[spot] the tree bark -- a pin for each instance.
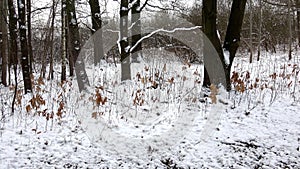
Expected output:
(30, 53)
(63, 40)
(124, 49)
(251, 31)
(73, 35)
(3, 42)
(136, 30)
(290, 29)
(232, 38)
(96, 27)
(13, 54)
(74, 48)
(298, 20)
(259, 30)
(212, 74)
(52, 40)
(24, 47)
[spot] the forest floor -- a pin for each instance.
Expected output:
(259, 127)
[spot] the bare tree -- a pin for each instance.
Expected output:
(74, 47)
(13, 53)
(298, 20)
(48, 43)
(24, 47)
(72, 35)
(63, 40)
(232, 38)
(124, 48)
(30, 53)
(259, 30)
(54, 5)
(136, 30)
(290, 29)
(96, 26)
(3, 41)
(209, 22)
(251, 30)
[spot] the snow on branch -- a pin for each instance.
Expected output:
(165, 31)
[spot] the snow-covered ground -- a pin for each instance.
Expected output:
(258, 127)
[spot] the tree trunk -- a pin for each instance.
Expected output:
(74, 48)
(213, 54)
(251, 31)
(259, 30)
(63, 40)
(232, 38)
(290, 29)
(13, 54)
(125, 59)
(298, 20)
(96, 27)
(3, 42)
(136, 31)
(73, 35)
(52, 39)
(30, 53)
(24, 47)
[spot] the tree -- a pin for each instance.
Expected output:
(232, 38)
(74, 47)
(136, 30)
(3, 41)
(259, 30)
(124, 48)
(13, 53)
(96, 26)
(63, 40)
(48, 36)
(290, 29)
(24, 47)
(209, 18)
(298, 20)
(13, 46)
(30, 53)
(73, 35)
(54, 4)
(251, 30)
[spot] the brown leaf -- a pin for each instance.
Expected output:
(171, 80)
(94, 115)
(40, 81)
(104, 101)
(28, 108)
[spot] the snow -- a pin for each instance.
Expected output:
(259, 128)
(22, 27)
(97, 15)
(127, 48)
(218, 34)
(21, 5)
(164, 31)
(124, 8)
(73, 21)
(226, 57)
